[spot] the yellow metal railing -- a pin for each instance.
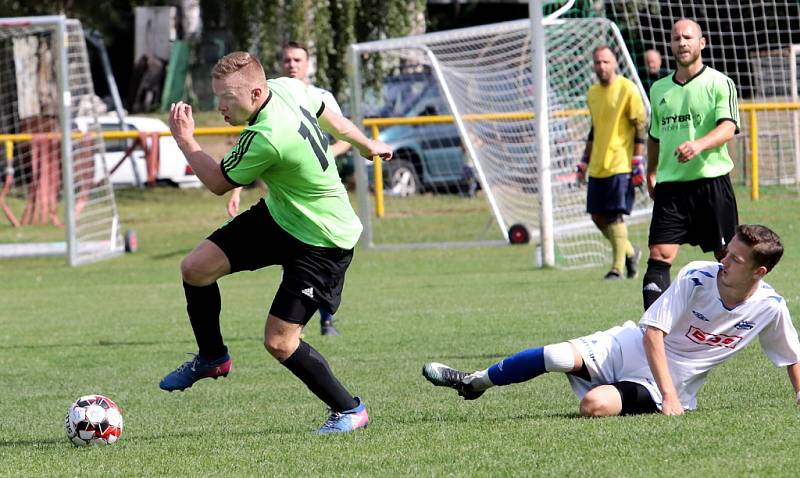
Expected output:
(23, 137)
(753, 109)
(376, 123)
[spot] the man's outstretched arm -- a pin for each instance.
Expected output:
(794, 376)
(657, 358)
(344, 129)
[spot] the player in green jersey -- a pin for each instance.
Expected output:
(296, 65)
(694, 114)
(305, 224)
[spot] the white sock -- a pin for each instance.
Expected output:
(479, 380)
(559, 357)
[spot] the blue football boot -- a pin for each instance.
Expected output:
(198, 368)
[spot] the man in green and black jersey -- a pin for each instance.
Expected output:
(305, 224)
(694, 114)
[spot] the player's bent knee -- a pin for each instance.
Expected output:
(187, 268)
(280, 347)
(193, 272)
(204, 265)
(277, 348)
(281, 338)
(596, 408)
(603, 401)
(663, 252)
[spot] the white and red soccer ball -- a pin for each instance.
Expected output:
(93, 420)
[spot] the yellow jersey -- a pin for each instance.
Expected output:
(617, 112)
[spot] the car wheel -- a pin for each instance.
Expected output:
(400, 178)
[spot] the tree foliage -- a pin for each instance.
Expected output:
(105, 17)
(327, 27)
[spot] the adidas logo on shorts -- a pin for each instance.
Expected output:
(309, 292)
(653, 287)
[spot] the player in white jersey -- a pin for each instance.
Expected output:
(708, 314)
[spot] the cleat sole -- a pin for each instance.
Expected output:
(431, 374)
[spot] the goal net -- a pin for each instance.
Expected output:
(54, 193)
(483, 77)
(754, 43)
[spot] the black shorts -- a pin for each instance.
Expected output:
(635, 398)
(611, 195)
(701, 212)
(313, 276)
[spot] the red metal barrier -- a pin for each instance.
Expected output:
(150, 155)
(41, 205)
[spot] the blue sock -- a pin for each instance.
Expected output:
(325, 315)
(519, 367)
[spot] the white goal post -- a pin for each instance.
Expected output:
(524, 157)
(794, 55)
(55, 195)
(488, 82)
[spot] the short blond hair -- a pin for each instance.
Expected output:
(240, 62)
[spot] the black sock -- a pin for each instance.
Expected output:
(656, 281)
(203, 305)
(310, 367)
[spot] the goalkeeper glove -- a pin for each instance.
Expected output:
(638, 171)
(580, 170)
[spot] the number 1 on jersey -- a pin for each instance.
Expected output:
(318, 147)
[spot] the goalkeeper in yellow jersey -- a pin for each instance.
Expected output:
(613, 158)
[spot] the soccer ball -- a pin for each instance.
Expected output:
(93, 420)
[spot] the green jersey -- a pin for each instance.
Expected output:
(688, 112)
(284, 146)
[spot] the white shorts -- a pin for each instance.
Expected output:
(614, 355)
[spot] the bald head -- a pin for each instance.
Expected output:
(652, 58)
(687, 42)
(687, 25)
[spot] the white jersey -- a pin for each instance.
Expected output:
(327, 98)
(701, 332)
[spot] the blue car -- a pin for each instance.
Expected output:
(426, 157)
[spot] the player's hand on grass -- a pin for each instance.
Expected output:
(376, 148)
(687, 151)
(671, 405)
(181, 121)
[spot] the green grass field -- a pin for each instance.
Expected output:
(118, 326)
